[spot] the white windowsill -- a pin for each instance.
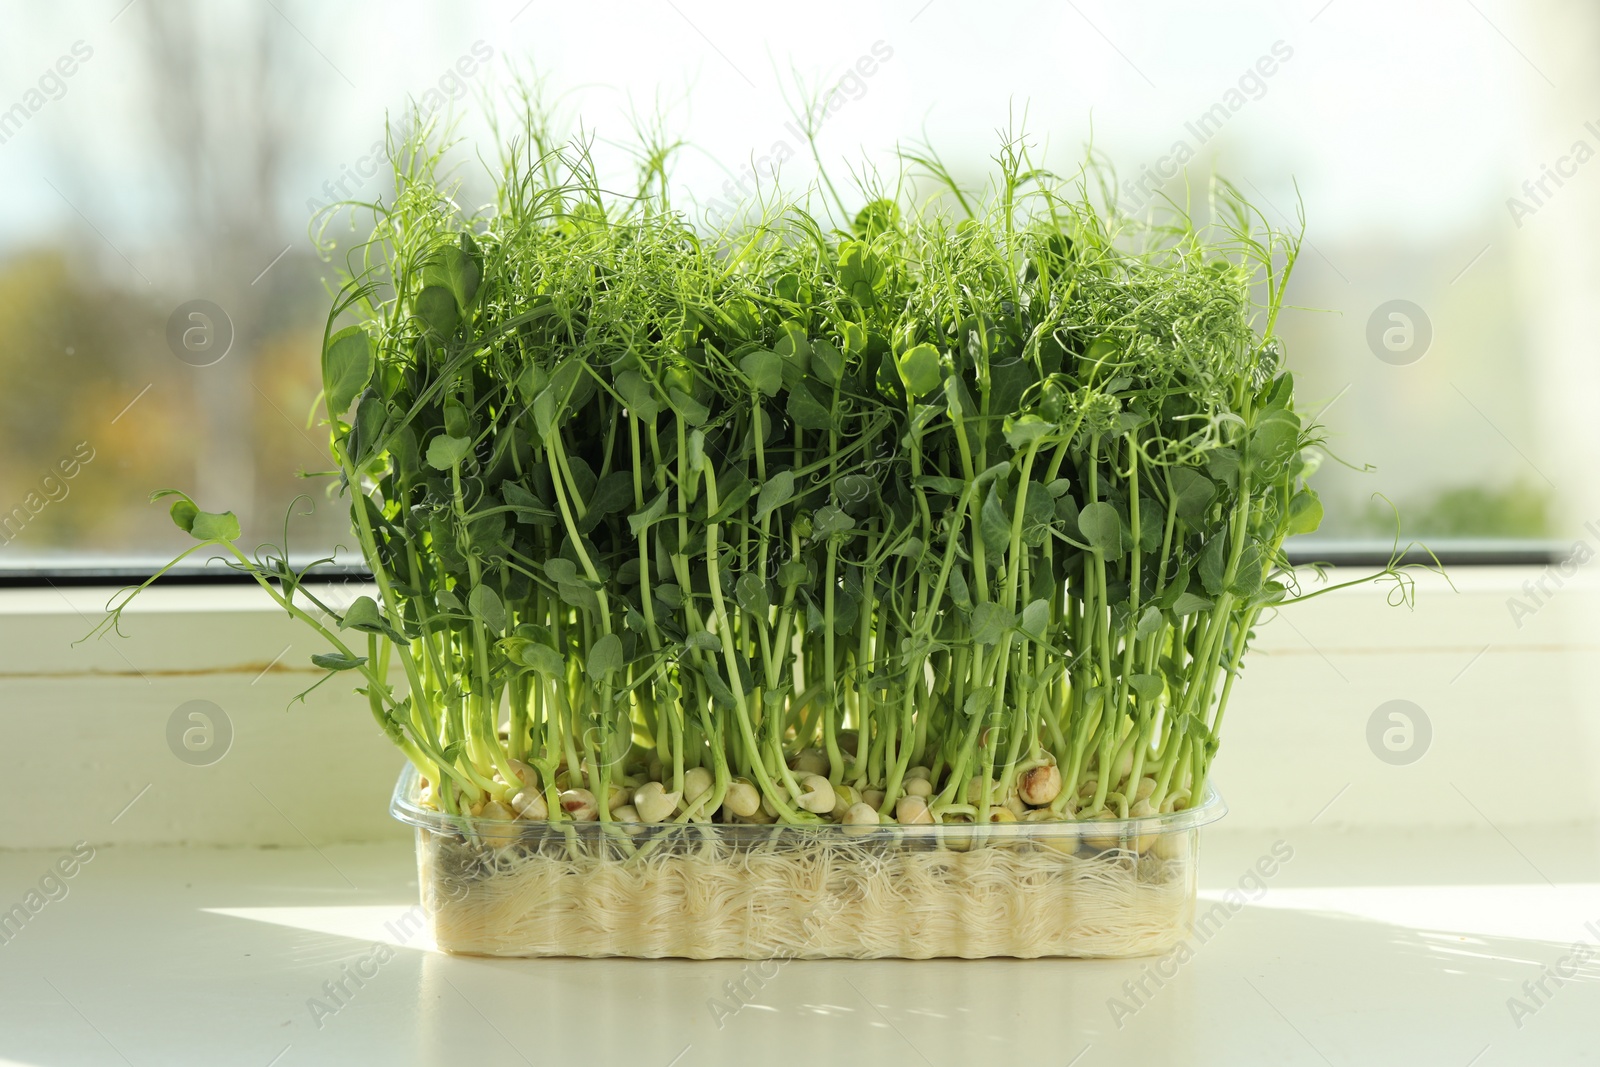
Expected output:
(1374, 949)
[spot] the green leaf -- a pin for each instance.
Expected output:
(1067, 512)
(1305, 512)
(1247, 578)
(910, 548)
(485, 604)
(720, 693)
(445, 452)
(544, 659)
(215, 526)
(1274, 440)
(1223, 466)
(183, 514)
(1101, 527)
(455, 270)
(877, 217)
(778, 491)
(938, 484)
(793, 573)
(860, 272)
(995, 524)
(978, 701)
(990, 621)
(346, 368)
(806, 412)
(1148, 686)
(457, 419)
(363, 615)
(1037, 513)
(919, 369)
(688, 408)
(765, 371)
(640, 521)
(436, 307)
(751, 592)
(528, 508)
(1036, 617)
(854, 338)
(854, 492)
(704, 641)
(1152, 522)
(560, 569)
(694, 456)
(731, 496)
(545, 407)
(830, 520)
(605, 656)
(637, 395)
(1270, 593)
(1149, 622)
(792, 344)
(1022, 432)
(614, 493)
(1214, 564)
(336, 661)
(370, 417)
(202, 525)
(667, 593)
(827, 362)
(960, 593)
(1193, 492)
(1189, 603)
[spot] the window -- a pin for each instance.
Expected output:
(162, 303)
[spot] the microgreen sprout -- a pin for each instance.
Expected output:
(965, 511)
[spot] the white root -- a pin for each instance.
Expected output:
(816, 896)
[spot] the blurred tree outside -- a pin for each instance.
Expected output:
(84, 343)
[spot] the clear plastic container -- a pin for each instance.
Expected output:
(1105, 888)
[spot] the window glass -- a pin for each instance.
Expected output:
(162, 301)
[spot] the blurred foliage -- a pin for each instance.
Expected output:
(1511, 511)
(79, 350)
